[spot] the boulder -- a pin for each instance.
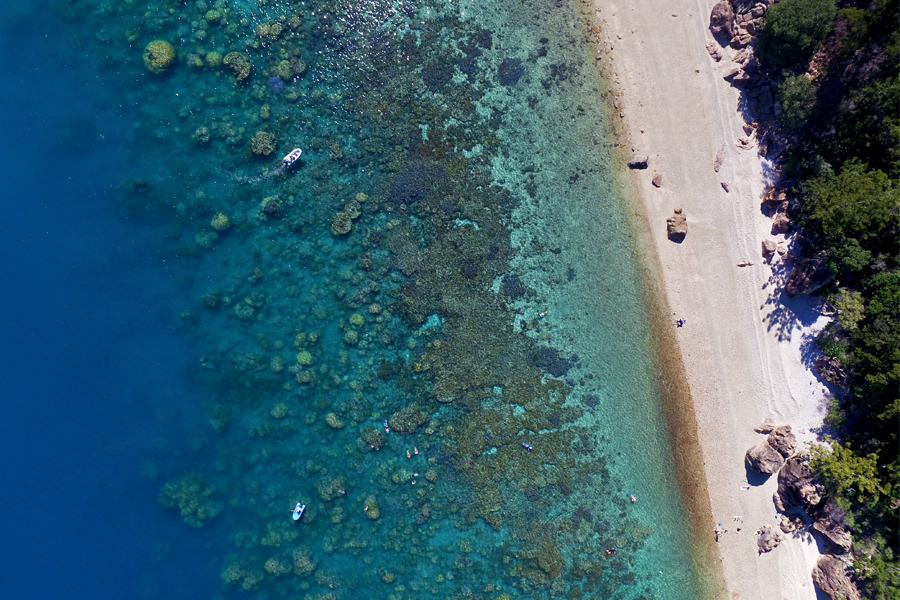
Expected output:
(830, 576)
(725, 186)
(731, 71)
(714, 52)
(781, 224)
(769, 246)
(720, 158)
(782, 440)
(830, 370)
(720, 20)
(834, 533)
(763, 458)
(768, 538)
(638, 162)
(797, 487)
(790, 523)
(657, 180)
(676, 225)
(774, 197)
(808, 276)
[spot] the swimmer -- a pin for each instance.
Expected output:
(386, 428)
(610, 550)
(633, 499)
(527, 446)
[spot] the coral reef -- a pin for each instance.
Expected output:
(239, 63)
(341, 223)
(159, 56)
(192, 498)
(263, 143)
(220, 222)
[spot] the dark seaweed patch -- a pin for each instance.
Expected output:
(513, 287)
(550, 360)
(510, 71)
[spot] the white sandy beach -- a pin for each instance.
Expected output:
(741, 346)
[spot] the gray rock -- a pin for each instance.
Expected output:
(639, 162)
(676, 225)
(769, 538)
(720, 158)
(808, 276)
(769, 246)
(781, 223)
(763, 458)
(720, 20)
(731, 71)
(782, 440)
(790, 523)
(830, 576)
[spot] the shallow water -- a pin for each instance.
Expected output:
(461, 387)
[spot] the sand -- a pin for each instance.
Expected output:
(745, 349)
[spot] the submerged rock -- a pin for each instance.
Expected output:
(638, 162)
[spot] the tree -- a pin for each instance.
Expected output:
(855, 204)
(797, 96)
(794, 29)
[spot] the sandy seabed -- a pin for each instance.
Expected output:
(746, 349)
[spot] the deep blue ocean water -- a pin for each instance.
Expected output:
(171, 387)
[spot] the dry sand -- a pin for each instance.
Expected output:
(744, 348)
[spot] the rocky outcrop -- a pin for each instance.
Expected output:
(782, 440)
(763, 458)
(790, 523)
(769, 247)
(676, 225)
(769, 538)
(639, 162)
(768, 456)
(836, 537)
(721, 21)
(781, 224)
(830, 370)
(830, 576)
(797, 488)
(808, 276)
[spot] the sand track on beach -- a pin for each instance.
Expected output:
(745, 349)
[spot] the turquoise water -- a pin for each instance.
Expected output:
(431, 329)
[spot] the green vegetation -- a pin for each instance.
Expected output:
(798, 99)
(794, 30)
(842, 115)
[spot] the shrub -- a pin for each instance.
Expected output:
(794, 29)
(798, 99)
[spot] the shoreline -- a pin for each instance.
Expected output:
(739, 360)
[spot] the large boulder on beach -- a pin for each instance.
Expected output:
(769, 538)
(781, 223)
(676, 225)
(808, 276)
(720, 21)
(832, 530)
(769, 247)
(798, 487)
(763, 458)
(830, 576)
(782, 440)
